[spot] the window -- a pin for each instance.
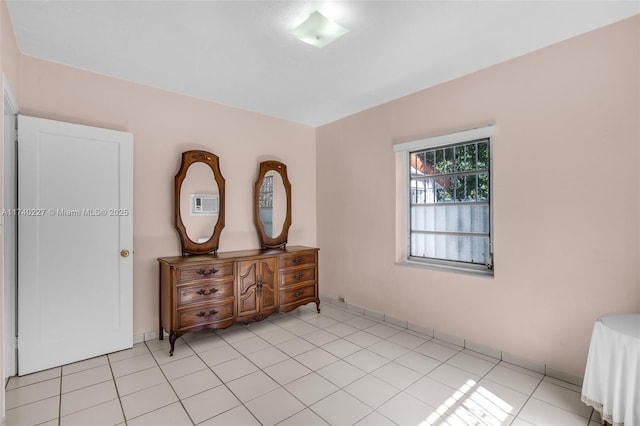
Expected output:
(448, 183)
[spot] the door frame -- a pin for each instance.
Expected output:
(9, 309)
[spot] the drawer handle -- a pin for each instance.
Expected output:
(209, 272)
(298, 260)
(204, 292)
(298, 293)
(298, 276)
(204, 314)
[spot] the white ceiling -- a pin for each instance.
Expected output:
(239, 53)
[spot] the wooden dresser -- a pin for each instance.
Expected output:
(218, 290)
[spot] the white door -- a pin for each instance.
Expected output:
(75, 199)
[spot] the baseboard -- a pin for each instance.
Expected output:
(517, 360)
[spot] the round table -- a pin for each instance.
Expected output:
(612, 376)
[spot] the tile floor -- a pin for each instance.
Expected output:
(300, 368)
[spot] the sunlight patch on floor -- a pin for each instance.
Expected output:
(472, 405)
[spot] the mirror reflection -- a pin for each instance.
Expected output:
(272, 203)
(199, 202)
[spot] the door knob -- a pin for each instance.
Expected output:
(124, 253)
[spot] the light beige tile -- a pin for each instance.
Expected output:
(238, 416)
(436, 350)
(287, 371)
(105, 414)
(453, 376)
(363, 339)
(371, 390)
(250, 345)
(84, 398)
(194, 383)
(137, 350)
(514, 379)
(366, 360)
(561, 397)
(316, 358)
(311, 388)
(471, 363)
(219, 355)
(295, 346)
(341, 408)
(504, 398)
(383, 331)
(140, 380)
(397, 375)
(432, 392)
(182, 367)
(170, 415)
(234, 369)
(147, 400)
(132, 365)
(84, 378)
(305, 417)
(375, 419)
(341, 348)
(341, 373)
(252, 386)
(418, 362)
(404, 409)
(388, 349)
(164, 345)
(163, 357)
(274, 407)
(208, 343)
(541, 413)
(267, 357)
(85, 365)
(30, 379)
(408, 340)
(200, 407)
(32, 393)
(341, 329)
(278, 336)
(34, 413)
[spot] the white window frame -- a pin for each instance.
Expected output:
(403, 210)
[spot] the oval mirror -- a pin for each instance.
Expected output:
(272, 208)
(199, 202)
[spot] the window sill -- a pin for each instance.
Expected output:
(489, 273)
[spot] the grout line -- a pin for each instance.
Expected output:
(60, 400)
(115, 385)
(172, 388)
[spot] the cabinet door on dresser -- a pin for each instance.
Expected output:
(257, 294)
(298, 279)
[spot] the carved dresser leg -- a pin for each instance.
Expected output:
(172, 340)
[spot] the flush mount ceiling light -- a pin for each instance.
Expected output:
(317, 30)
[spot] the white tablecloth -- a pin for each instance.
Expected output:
(612, 376)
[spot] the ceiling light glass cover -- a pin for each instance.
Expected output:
(318, 30)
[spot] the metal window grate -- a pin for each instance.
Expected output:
(450, 204)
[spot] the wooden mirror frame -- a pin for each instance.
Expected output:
(211, 160)
(265, 240)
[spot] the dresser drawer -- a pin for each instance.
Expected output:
(296, 294)
(212, 290)
(297, 276)
(300, 259)
(206, 314)
(205, 271)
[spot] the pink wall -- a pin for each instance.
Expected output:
(10, 67)
(164, 125)
(566, 200)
